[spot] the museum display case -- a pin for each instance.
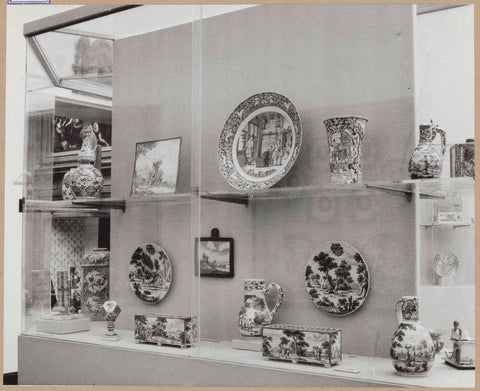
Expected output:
(195, 175)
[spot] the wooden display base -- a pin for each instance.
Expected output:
(458, 366)
(63, 326)
(253, 344)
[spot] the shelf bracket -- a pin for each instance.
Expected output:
(233, 200)
(401, 192)
(110, 204)
(21, 205)
(240, 199)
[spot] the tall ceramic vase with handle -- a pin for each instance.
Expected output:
(345, 141)
(84, 181)
(255, 312)
(412, 350)
(426, 161)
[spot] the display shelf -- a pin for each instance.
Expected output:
(72, 208)
(96, 207)
(353, 368)
(426, 188)
(433, 287)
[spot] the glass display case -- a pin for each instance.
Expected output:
(198, 205)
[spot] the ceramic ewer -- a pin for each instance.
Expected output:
(95, 283)
(255, 312)
(259, 142)
(345, 142)
(314, 345)
(150, 273)
(337, 278)
(173, 330)
(412, 349)
(426, 161)
(84, 181)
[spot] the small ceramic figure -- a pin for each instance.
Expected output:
(112, 310)
(463, 354)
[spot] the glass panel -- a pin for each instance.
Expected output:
(234, 90)
(62, 234)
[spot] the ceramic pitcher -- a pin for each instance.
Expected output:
(426, 161)
(255, 312)
(345, 141)
(412, 350)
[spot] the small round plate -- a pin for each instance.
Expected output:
(260, 141)
(446, 264)
(337, 278)
(150, 273)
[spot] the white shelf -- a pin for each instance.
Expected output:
(371, 369)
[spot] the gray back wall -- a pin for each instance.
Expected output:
(329, 60)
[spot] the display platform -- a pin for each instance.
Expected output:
(209, 364)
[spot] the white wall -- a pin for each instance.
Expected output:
(444, 82)
(444, 73)
(17, 15)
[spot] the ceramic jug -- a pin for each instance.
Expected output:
(84, 181)
(426, 161)
(345, 141)
(255, 312)
(412, 350)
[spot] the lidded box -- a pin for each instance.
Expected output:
(316, 345)
(175, 330)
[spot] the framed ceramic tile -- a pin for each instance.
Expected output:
(156, 167)
(214, 256)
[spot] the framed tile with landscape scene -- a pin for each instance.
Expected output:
(214, 256)
(156, 167)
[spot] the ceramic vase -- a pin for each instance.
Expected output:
(426, 161)
(345, 141)
(412, 350)
(255, 312)
(84, 181)
(95, 283)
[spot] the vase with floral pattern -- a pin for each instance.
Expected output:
(412, 349)
(255, 313)
(95, 283)
(426, 160)
(84, 181)
(345, 141)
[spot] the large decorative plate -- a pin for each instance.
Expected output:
(150, 273)
(260, 141)
(337, 278)
(446, 264)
